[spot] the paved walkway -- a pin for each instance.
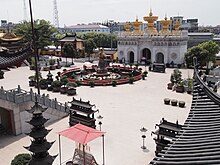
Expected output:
(125, 108)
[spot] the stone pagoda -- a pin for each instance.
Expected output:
(39, 145)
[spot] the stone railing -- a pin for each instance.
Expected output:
(19, 96)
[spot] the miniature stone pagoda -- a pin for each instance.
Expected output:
(82, 112)
(165, 133)
(39, 145)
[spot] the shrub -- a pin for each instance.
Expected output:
(131, 80)
(64, 80)
(71, 84)
(43, 81)
(56, 83)
(91, 83)
(52, 61)
(114, 83)
(21, 159)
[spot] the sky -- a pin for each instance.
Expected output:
(72, 12)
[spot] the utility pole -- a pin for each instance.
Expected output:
(55, 14)
(25, 11)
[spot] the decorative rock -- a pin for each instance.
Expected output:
(174, 102)
(167, 101)
(182, 104)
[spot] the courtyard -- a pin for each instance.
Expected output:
(125, 108)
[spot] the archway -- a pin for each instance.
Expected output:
(131, 57)
(159, 58)
(146, 55)
(6, 120)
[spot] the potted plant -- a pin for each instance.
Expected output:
(78, 82)
(43, 83)
(46, 68)
(114, 83)
(92, 84)
(58, 66)
(180, 87)
(63, 88)
(131, 80)
(56, 85)
(71, 90)
(32, 81)
(189, 85)
(52, 62)
(1, 74)
(170, 85)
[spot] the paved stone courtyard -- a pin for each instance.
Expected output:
(125, 108)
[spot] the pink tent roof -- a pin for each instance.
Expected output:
(81, 133)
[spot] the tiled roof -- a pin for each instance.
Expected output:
(86, 27)
(198, 141)
(8, 59)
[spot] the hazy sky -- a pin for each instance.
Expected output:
(71, 12)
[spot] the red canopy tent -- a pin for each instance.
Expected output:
(81, 134)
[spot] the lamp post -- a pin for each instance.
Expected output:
(103, 139)
(34, 47)
(100, 122)
(143, 130)
(111, 23)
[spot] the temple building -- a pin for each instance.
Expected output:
(137, 44)
(11, 41)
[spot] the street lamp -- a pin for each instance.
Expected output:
(143, 130)
(103, 139)
(111, 30)
(100, 122)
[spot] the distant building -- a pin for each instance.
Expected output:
(138, 44)
(78, 43)
(85, 28)
(191, 25)
(200, 37)
(6, 26)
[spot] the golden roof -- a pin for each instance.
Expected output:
(9, 37)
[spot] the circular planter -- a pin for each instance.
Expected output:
(49, 88)
(63, 90)
(32, 83)
(43, 86)
(56, 89)
(170, 86)
(167, 101)
(71, 91)
(180, 89)
(174, 102)
(182, 104)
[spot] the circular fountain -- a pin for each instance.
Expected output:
(103, 74)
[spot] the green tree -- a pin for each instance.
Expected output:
(101, 39)
(44, 32)
(21, 159)
(204, 52)
(69, 51)
(89, 46)
(198, 52)
(211, 50)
